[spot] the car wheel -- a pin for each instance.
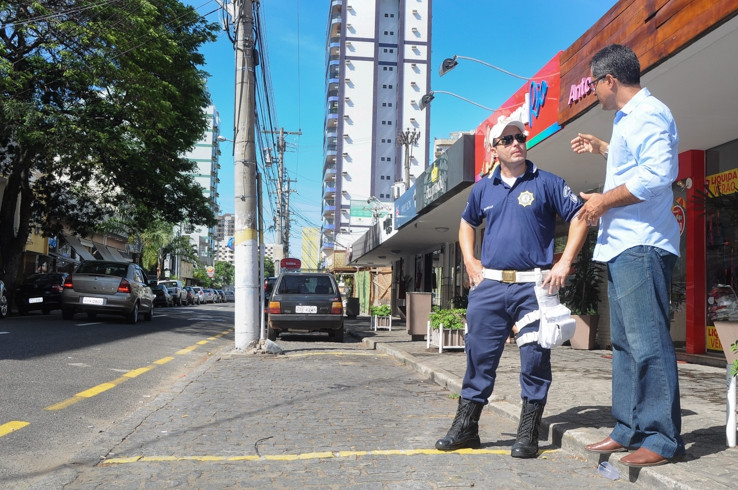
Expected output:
(150, 315)
(133, 315)
(337, 335)
(67, 313)
(3, 305)
(272, 334)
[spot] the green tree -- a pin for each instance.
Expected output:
(225, 273)
(268, 268)
(100, 100)
(160, 241)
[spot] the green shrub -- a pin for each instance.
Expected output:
(450, 318)
(380, 310)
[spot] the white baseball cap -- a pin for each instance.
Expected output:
(496, 130)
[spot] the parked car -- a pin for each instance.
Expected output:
(163, 297)
(107, 287)
(209, 295)
(230, 295)
(200, 293)
(268, 286)
(192, 296)
(177, 289)
(40, 292)
(306, 301)
(221, 295)
(3, 296)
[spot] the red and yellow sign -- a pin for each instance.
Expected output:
(723, 183)
(535, 104)
(713, 341)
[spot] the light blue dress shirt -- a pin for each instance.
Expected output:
(643, 155)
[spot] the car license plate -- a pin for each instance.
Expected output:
(35, 300)
(92, 301)
(306, 309)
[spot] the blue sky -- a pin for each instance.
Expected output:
(519, 37)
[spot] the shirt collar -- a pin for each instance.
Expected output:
(639, 97)
(530, 168)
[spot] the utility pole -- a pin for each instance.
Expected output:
(245, 239)
(281, 223)
(408, 140)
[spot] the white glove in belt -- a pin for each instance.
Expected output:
(513, 276)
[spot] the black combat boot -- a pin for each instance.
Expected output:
(526, 443)
(464, 431)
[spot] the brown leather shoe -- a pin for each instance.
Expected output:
(643, 457)
(605, 446)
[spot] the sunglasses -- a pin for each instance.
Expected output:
(507, 140)
(593, 83)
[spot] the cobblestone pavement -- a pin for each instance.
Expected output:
(366, 413)
(323, 416)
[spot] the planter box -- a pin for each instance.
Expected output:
(381, 322)
(585, 336)
(444, 338)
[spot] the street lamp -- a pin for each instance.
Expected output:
(408, 140)
(450, 63)
(427, 98)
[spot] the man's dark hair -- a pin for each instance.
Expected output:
(619, 61)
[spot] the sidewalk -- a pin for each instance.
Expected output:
(578, 408)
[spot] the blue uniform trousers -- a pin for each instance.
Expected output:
(493, 309)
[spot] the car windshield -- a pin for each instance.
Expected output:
(104, 268)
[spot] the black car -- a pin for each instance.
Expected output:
(306, 301)
(40, 292)
(163, 297)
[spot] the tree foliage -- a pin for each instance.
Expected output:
(99, 102)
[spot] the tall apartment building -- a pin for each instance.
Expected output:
(378, 54)
(226, 227)
(206, 154)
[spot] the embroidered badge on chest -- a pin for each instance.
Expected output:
(526, 198)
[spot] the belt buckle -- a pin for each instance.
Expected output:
(508, 276)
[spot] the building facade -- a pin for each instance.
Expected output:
(378, 54)
(206, 154)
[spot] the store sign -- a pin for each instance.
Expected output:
(290, 263)
(405, 207)
(580, 91)
(723, 183)
(713, 341)
(680, 216)
(535, 104)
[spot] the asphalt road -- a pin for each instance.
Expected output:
(65, 382)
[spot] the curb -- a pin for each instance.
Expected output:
(572, 441)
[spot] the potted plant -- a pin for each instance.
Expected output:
(381, 317)
(446, 328)
(582, 295)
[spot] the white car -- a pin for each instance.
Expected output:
(200, 294)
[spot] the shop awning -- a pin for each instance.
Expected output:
(74, 242)
(117, 254)
(104, 251)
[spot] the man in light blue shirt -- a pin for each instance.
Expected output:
(639, 240)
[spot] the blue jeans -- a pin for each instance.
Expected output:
(645, 382)
(493, 309)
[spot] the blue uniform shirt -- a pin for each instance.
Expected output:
(520, 221)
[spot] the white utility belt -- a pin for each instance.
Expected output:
(534, 275)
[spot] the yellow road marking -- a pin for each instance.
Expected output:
(96, 390)
(315, 455)
(186, 350)
(12, 426)
(137, 372)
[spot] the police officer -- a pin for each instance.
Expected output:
(518, 203)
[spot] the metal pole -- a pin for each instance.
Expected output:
(279, 233)
(245, 239)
